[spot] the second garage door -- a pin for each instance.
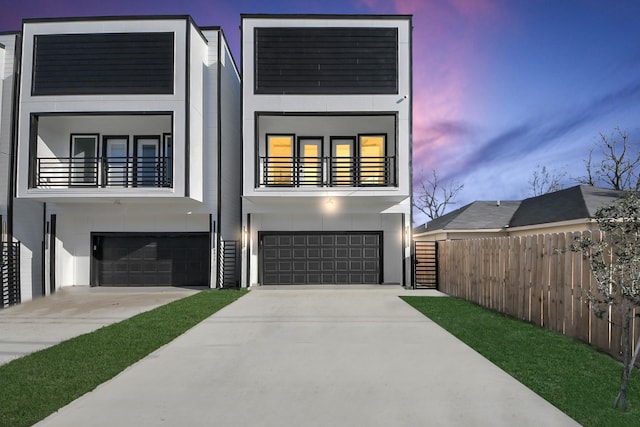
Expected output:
(163, 259)
(320, 258)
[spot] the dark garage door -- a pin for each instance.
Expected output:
(320, 258)
(131, 259)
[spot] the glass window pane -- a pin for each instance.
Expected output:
(83, 165)
(343, 162)
(372, 159)
(280, 159)
(310, 163)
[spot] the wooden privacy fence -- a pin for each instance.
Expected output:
(533, 278)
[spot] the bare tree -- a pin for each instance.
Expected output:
(545, 181)
(434, 196)
(619, 165)
(615, 263)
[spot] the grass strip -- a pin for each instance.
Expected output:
(571, 375)
(37, 385)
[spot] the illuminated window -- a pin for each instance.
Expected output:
(343, 163)
(280, 159)
(310, 151)
(372, 159)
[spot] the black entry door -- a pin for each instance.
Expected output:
(320, 258)
(131, 259)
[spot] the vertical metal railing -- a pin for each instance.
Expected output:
(327, 171)
(10, 274)
(55, 172)
(228, 264)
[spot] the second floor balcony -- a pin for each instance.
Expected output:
(327, 172)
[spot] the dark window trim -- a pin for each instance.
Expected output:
(136, 155)
(187, 110)
(293, 155)
(309, 137)
(385, 137)
(72, 137)
(314, 17)
(107, 137)
(365, 134)
(282, 134)
(353, 177)
(105, 157)
(33, 150)
(101, 113)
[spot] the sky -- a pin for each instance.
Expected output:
(501, 87)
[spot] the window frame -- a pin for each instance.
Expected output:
(96, 149)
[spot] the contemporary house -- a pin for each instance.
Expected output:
(326, 139)
(127, 150)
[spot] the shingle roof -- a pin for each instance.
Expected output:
(478, 215)
(577, 202)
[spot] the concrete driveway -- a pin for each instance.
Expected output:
(73, 311)
(313, 357)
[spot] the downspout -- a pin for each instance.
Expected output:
(412, 254)
(13, 146)
(219, 252)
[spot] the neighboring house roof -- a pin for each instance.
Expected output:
(478, 215)
(577, 202)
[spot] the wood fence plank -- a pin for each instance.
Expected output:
(581, 275)
(553, 280)
(536, 278)
(567, 284)
(510, 303)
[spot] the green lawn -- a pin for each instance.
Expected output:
(37, 385)
(574, 377)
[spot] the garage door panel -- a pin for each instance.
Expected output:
(161, 259)
(320, 257)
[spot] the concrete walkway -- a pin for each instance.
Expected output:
(72, 311)
(313, 357)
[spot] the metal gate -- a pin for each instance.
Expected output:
(10, 274)
(426, 265)
(228, 264)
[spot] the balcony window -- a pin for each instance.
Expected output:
(82, 165)
(372, 159)
(116, 160)
(342, 163)
(280, 159)
(310, 170)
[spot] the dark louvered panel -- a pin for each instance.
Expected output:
(96, 64)
(326, 61)
(426, 265)
(321, 258)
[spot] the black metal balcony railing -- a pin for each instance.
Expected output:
(328, 171)
(103, 172)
